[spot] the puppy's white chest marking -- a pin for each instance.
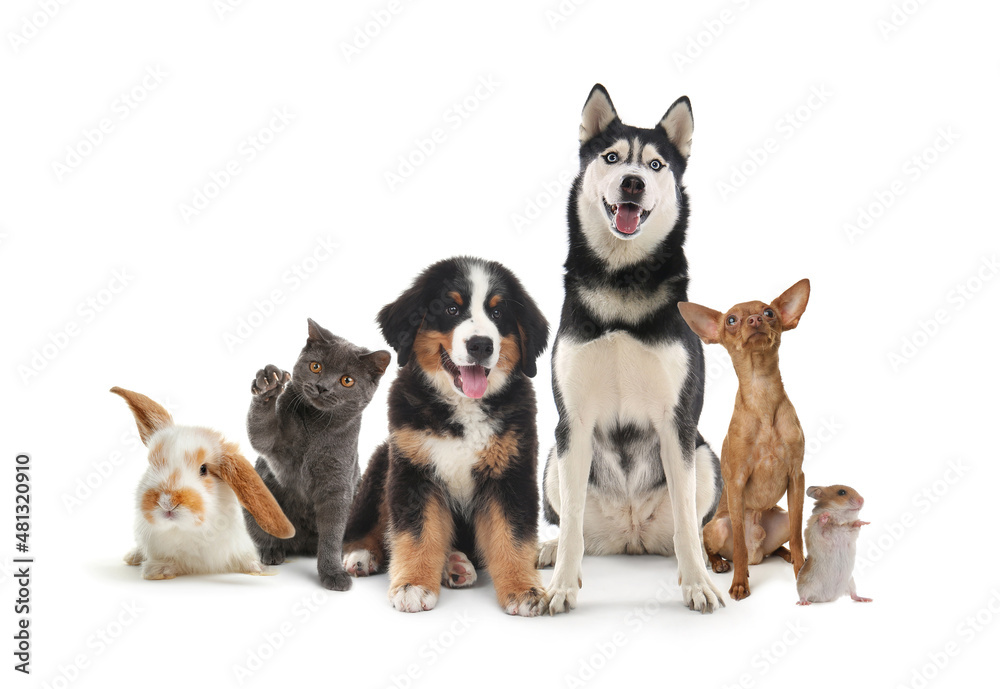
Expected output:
(454, 457)
(617, 377)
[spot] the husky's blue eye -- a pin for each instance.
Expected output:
(655, 164)
(611, 157)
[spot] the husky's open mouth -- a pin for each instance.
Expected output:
(625, 217)
(471, 380)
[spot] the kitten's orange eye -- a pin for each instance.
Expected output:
(315, 367)
(347, 381)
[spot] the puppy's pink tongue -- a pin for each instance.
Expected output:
(627, 218)
(473, 381)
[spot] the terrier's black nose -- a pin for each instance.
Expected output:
(479, 348)
(633, 185)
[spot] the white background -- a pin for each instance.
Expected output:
(495, 186)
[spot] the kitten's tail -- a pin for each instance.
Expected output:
(365, 549)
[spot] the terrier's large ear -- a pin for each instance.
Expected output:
(400, 321)
(792, 303)
(705, 322)
(149, 416)
(598, 113)
(678, 123)
(318, 333)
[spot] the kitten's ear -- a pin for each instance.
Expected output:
(149, 416)
(532, 328)
(400, 321)
(377, 362)
(705, 322)
(233, 468)
(318, 333)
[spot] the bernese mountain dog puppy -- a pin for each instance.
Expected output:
(455, 485)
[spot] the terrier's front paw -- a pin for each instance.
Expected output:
(361, 563)
(740, 589)
(269, 382)
(412, 598)
(458, 572)
(530, 603)
(337, 580)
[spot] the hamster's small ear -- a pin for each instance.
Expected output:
(377, 362)
(792, 303)
(149, 416)
(400, 321)
(598, 113)
(815, 492)
(705, 322)
(239, 474)
(318, 333)
(678, 123)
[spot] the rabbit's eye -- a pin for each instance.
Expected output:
(203, 470)
(315, 367)
(347, 381)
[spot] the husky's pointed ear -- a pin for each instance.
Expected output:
(678, 123)
(598, 113)
(149, 416)
(318, 333)
(401, 320)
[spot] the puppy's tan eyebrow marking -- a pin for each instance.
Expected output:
(495, 300)
(457, 297)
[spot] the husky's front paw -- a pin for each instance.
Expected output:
(412, 598)
(700, 595)
(361, 563)
(530, 603)
(458, 572)
(560, 595)
(547, 553)
(269, 382)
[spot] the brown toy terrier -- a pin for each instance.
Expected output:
(763, 450)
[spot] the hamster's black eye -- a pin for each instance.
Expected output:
(611, 157)
(203, 470)
(315, 367)
(452, 310)
(769, 313)
(841, 492)
(655, 164)
(731, 320)
(497, 314)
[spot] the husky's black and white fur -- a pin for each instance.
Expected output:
(630, 473)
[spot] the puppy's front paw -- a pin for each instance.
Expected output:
(699, 594)
(530, 603)
(458, 572)
(337, 580)
(547, 553)
(412, 598)
(361, 563)
(269, 382)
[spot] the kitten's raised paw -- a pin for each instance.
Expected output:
(269, 381)
(458, 571)
(361, 563)
(336, 581)
(412, 598)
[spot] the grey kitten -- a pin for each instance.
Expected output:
(307, 437)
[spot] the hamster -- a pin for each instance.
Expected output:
(831, 542)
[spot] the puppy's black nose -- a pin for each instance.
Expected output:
(633, 185)
(479, 348)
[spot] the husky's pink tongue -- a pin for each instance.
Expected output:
(473, 381)
(627, 218)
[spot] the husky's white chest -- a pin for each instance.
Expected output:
(617, 376)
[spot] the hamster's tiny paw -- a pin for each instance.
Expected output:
(269, 381)
(412, 598)
(458, 572)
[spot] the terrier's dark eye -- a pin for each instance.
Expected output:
(497, 314)
(841, 492)
(731, 320)
(452, 310)
(203, 470)
(769, 313)
(611, 157)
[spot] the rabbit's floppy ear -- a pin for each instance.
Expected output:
(235, 470)
(149, 416)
